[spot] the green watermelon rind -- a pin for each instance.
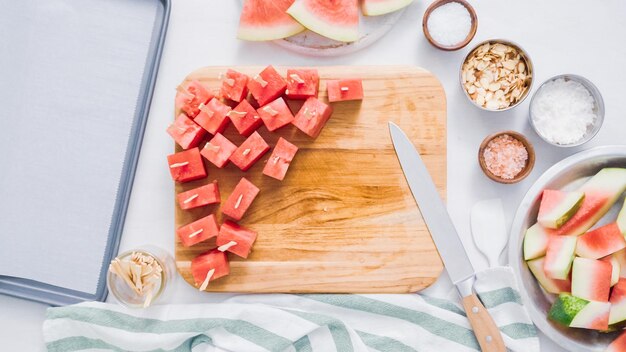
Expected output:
(259, 34)
(377, 8)
(565, 308)
(333, 31)
(564, 211)
(589, 314)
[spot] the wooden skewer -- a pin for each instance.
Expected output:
(239, 201)
(190, 199)
(173, 166)
(205, 283)
(225, 247)
(196, 233)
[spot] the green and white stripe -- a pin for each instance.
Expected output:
(296, 323)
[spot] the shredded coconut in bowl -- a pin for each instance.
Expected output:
(563, 111)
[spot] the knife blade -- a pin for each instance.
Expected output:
(446, 238)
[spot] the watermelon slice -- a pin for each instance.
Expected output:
(240, 200)
(548, 284)
(616, 268)
(245, 118)
(218, 150)
(577, 312)
(302, 84)
(557, 207)
(559, 256)
(618, 345)
(381, 7)
(213, 116)
(190, 95)
(267, 86)
(234, 85)
(186, 166)
(600, 242)
(618, 303)
(344, 90)
(198, 197)
(208, 267)
(621, 219)
(249, 152)
(275, 114)
(198, 231)
(334, 19)
(591, 279)
(186, 132)
(535, 242)
(621, 259)
(312, 117)
(281, 158)
(235, 239)
(267, 20)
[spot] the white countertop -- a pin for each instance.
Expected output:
(561, 36)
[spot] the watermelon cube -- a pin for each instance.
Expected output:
(218, 150)
(557, 207)
(281, 158)
(267, 86)
(600, 242)
(249, 152)
(234, 85)
(559, 256)
(186, 132)
(618, 345)
(213, 116)
(618, 303)
(201, 196)
(275, 114)
(235, 239)
(198, 231)
(344, 89)
(240, 200)
(302, 84)
(186, 166)
(312, 117)
(245, 118)
(209, 266)
(190, 95)
(577, 312)
(548, 284)
(591, 279)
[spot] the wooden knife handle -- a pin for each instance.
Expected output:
(486, 331)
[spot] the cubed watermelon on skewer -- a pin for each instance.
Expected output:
(578, 312)
(600, 242)
(186, 132)
(218, 150)
(249, 152)
(208, 267)
(234, 85)
(618, 303)
(198, 197)
(278, 163)
(245, 118)
(618, 345)
(198, 231)
(275, 114)
(591, 279)
(344, 90)
(240, 199)
(548, 284)
(312, 117)
(186, 166)
(190, 95)
(267, 86)
(535, 242)
(235, 239)
(213, 116)
(557, 207)
(302, 83)
(559, 256)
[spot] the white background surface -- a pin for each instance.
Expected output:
(561, 36)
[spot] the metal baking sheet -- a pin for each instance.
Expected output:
(77, 82)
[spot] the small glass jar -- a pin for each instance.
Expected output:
(126, 296)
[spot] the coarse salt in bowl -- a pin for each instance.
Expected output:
(567, 110)
(449, 24)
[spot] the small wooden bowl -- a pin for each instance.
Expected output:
(463, 43)
(530, 163)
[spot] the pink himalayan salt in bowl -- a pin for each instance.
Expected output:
(506, 157)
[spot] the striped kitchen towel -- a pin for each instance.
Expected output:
(282, 322)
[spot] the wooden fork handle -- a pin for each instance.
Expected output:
(486, 331)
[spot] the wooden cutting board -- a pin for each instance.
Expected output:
(343, 220)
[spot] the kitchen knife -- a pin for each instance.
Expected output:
(446, 239)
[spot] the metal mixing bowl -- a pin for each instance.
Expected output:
(566, 174)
